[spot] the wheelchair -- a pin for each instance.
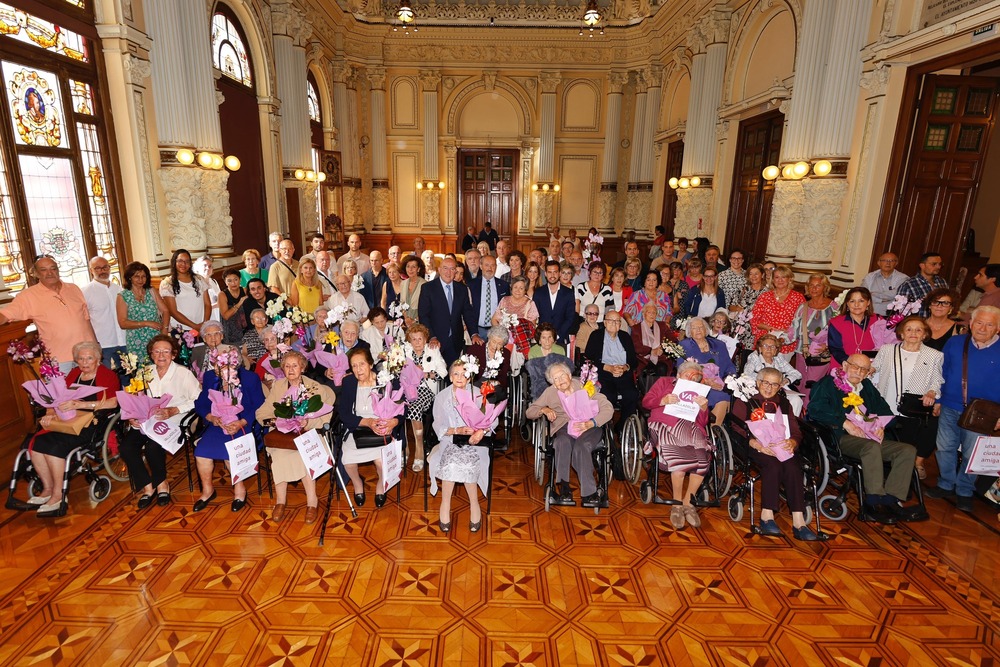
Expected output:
(89, 459)
(814, 469)
(843, 473)
(625, 451)
(545, 454)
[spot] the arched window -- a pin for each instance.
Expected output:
(229, 51)
(312, 99)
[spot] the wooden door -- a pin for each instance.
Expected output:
(946, 154)
(675, 156)
(488, 191)
(749, 221)
(240, 123)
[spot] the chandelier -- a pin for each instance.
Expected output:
(592, 18)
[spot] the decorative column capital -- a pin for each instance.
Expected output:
(549, 81)
(617, 80)
(653, 75)
(450, 150)
(376, 77)
(640, 82)
(430, 79)
(314, 53)
(136, 69)
(527, 149)
(876, 80)
(713, 28)
(490, 79)
(341, 71)
(289, 20)
(680, 59)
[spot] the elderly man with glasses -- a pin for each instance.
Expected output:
(611, 350)
(829, 404)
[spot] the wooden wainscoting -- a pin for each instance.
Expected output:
(15, 417)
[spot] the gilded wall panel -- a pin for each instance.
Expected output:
(581, 106)
(578, 180)
(403, 104)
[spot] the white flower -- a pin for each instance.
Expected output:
(471, 365)
(358, 283)
(742, 387)
(383, 378)
(508, 320)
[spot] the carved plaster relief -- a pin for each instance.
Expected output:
(824, 199)
(607, 202)
(183, 195)
(786, 216)
(693, 204)
(215, 206)
(382, 209)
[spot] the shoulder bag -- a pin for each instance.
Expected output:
(908, 405)
(981, 415)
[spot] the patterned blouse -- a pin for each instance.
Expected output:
(769, 315)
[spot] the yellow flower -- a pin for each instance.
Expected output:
(332, 338)
(853, 400)
(591, 389)
(135, 386)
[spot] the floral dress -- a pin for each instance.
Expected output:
(769, 315)
(138, 311)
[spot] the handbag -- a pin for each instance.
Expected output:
(981, 415)
(909, 404)
(365, 438)
(73, 426)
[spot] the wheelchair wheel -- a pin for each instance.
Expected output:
(818, 466)
(110, 457)
(631, 449)
(646, 492)
(35, 488)
(735, 509)
(547, 492)
(808, 514)
(538, 440)
(833, 508)
(100, 488)
(722, 461)
(615, 457)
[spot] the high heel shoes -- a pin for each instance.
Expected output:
(445, 527)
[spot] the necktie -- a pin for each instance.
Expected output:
(447, 293)
(489, 301)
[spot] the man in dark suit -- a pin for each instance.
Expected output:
(489, 235)
(444, 307)
(556, 303)
(612, 351)
(470, 240)
(374, 279)
(487, 290)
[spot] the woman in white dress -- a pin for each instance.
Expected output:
(185, 293)
(458, 464)
(355, 409)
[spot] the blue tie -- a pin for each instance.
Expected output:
(447, 293)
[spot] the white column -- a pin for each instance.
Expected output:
(638, 128)
(290, 66)
(549, 82)
(165, 26)
(809, 92)
(693, 112)
(654, 75)
(429, 82)
(342, 115)
(703, 153)
(380, 163)
(607, 198)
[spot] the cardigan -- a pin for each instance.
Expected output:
(550, 399)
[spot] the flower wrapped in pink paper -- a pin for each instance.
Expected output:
(388, 403)
(53, 394)
(272, 367)
(224, 406)
(296, 408)
(579, 407)
(140, 407)
(475, 418)
(771, 434)
(335, 362)
(883, 334)
(819, 342)
(410, 378)
(873, 426)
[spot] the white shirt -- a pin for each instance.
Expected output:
(189, 304)
(502, 268)
(102, 305)
(883, 289)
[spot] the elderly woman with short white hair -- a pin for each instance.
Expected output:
(355, 304)
(571, 450)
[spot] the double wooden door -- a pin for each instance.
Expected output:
(943, 168)
(675, 156)
(487, 185)
(749, 221)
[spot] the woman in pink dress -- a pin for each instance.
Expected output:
(775, 310)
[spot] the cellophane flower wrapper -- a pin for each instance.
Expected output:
(869, 424)
(223, 407)
(140, 406)
(771, 434)
(473, 416)
(271, 369)
(579, 407)
(410, 378)
(882, 334)
(819, 342)
(388, 405)
(335, 362)
(710, 373)
(53, 394)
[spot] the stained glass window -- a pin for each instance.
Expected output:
(312, 98)
(97, 196)
(229, 53)
(36, 108)
(50, 192)
(83, 97)
(11, 263)
(30, 29)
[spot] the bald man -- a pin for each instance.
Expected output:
(354, 254)
(102, 303)
(884, 283)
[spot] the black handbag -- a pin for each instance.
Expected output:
(365, 438)
(980, 415)
(820, 360)
(912, 405)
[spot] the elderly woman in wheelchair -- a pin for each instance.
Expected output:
(774, 471)
(51, 447)
(573, 442)
(457, 459)
(682, 447)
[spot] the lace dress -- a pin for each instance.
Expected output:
(457, 464)
(139, 311)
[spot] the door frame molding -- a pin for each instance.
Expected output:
(515, 220)
(901, 143)
(766, 116)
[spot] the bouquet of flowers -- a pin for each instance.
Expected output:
(901, 307)
(592, 248)
(334, 361)
(140, 407)
(882, 332)
(225, 404)
(743, 388)
(276, 309)
(48, 366)
(473, 416)
(358, 283)
(297, 407)
(410, 378)
(471, 365)
(139, 384)
(680, 323)
(397, 312)
(588, 376)
(508, 320)
(839, 299)
(283, 328)
(709, 372)
(579, 406)
(337, 315)
(771, 434)
(186, 339)
(819, 343)
(226, 362)
(672, 349)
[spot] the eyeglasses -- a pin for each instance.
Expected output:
(591, 314)
(735, 257)
(765, 383)
(708, 275)
(940, 303)
(863, 369)
(769, 346)
(616, 322)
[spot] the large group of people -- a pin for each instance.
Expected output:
(899, 347)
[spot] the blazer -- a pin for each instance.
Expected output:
(447, 327)
(595, 348)
(693, 301)
(563, 316)
(345, 406)
(500, 290)
(926, 376)
(371, 289)
(717, 354)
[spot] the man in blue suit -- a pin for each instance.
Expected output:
(374, 279)
(444, 307)
(487, 290)
(556, 303)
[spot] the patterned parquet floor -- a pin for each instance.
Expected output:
(108, 585)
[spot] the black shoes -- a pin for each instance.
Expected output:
(359, 499)
(938, 492)
(145, 501)
(805, 534)
(201, 504)
(911, 513)
(445, 527)
(474, 527)
(964, 503)
(770, 528)
(563, 497)
(239, 503)
(379, 499)
(883, 514)
(593, 500)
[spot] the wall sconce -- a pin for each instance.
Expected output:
(822, 168)
(232, 163)
(300, 174)
(205, 160)
(684, 183)
(672, 182)
(771, 172)
(321, 176)
(546, 187)
(800, 169)
(430, 185)
(695, 181)
(185, 156)
(787, 173)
